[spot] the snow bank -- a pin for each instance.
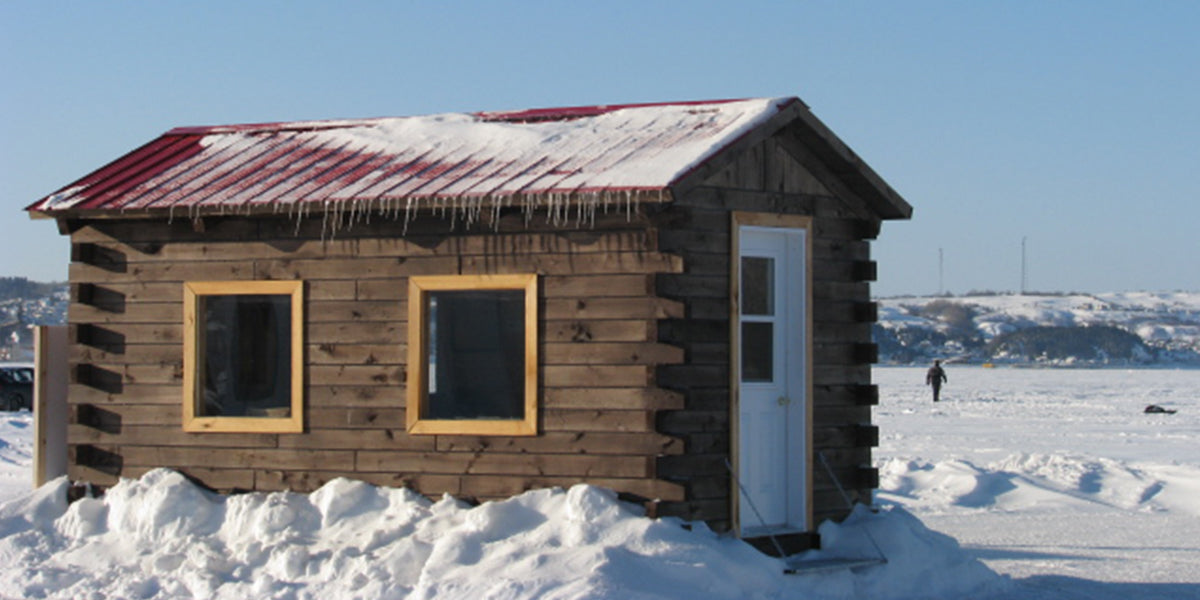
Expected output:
(1041, 481)
(16, 453)
(162, 537)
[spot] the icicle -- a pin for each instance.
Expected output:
(407, 215)
(324, 218)
(497, 207)
(294, 212)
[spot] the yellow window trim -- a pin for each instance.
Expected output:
(192, 291)
(418, 365)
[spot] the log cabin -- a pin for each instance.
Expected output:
(668, 300)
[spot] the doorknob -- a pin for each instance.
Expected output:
(784, 401)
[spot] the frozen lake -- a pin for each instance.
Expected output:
(1055, 477)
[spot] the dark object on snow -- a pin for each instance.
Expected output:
(1156, 409)
(16, 388)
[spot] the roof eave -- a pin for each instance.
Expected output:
(861, 178)
(610, 196)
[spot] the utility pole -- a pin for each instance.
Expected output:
(941, 287)
(1024, 277)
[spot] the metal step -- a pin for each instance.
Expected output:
(829, 565)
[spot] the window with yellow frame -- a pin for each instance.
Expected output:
(472, 354)
(243, 356)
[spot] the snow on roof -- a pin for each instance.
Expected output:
(497, 155)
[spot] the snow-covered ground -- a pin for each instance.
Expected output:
(1054, 482)
(1054, 477)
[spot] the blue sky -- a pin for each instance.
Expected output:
(1074, 125)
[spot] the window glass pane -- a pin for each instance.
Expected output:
(245, 346)
(758, 285)
(758, 351)
(476, 354)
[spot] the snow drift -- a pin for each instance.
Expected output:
(162, 537)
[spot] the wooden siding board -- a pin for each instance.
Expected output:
(230, 458)
(631, 398)
(583, 442)
(469, 463)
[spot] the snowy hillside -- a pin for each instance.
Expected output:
(1139, 328)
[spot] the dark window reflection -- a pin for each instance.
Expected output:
(476, 354)
(758, 352)
(245, 349)
(758, 286)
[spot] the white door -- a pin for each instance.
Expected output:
(772, 409)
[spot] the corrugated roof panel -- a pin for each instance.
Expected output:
(304, 161)
(544, 151)
(190, 182)
(112, 182)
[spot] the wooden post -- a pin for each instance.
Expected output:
(49, 403)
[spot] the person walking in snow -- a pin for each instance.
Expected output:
(935, 376)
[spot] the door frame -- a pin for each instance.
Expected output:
(739, 219)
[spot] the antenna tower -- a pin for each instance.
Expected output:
(1024, 276)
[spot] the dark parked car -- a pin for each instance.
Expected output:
(16, 388)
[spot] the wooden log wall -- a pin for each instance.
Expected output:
(599, 347)
(771, 178)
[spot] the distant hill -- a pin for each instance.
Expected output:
(23, 304)
(1113, 329)
(12, 288)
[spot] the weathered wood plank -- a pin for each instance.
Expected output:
(141, 394)
(601, 353)
(145, 313)
(349, 396)
(632, 398)
(593, 286)
(582, 331)
(635, 421)
(595, 376)
(357, 333)
(470, 463)
(115, 417)
(162, 435)
(583, 442)
(356, 354)
(645, 307)
(166, 272)
(356, 418)
(354, 311)
(356, 375)
(285, 458)
(355, 268)
(376, 438)
(694, 421)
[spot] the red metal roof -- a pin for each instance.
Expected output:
(498, 155)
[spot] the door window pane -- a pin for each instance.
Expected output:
(758, 285)
(758, 352)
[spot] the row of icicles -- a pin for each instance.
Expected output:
(562, 209)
